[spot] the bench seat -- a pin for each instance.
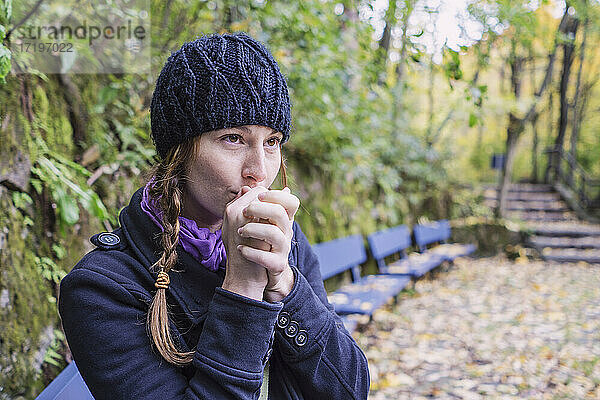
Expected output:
(451, 251)
(416, 264)
(367, 294)
(439, 232)
(68, 385)
(397, 240)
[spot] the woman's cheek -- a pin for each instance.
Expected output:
(275, 165)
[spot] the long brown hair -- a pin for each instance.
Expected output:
(170, 176)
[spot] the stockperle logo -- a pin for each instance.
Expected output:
(83, 37)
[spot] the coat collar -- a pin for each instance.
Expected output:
(192, 285)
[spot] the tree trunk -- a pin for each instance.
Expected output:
(534, 154)
(166, 14)
(513, 131)
(515, 126)
(349, 35)
(550, 130)
(576, 101)
(512, 136)
(77, 113)
(568, 50)
(398, 89)
(534, 150)
(384, 43)
(430, 102)
(501, 80)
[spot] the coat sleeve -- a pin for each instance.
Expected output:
(105, 325)
(312, 338)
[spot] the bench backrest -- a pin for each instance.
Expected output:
(339, 255)
(437, 231)
(387, 242)
(68, 385)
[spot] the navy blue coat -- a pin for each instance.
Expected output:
(104, 301)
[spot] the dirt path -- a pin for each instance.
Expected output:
(490, 328)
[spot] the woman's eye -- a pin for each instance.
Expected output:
(274, 141)
(232, 138)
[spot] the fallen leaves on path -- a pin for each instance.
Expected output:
(490, 328)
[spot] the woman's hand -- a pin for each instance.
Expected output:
(271, 217)
(242, 276)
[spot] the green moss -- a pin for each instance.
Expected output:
(26, 313)
(52, 117)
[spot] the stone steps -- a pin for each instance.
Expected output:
(534, 205)
(492, 194)
(591, 256)
(530, 187)
(561, 242)
(524, 187)
(566, 229)
(546, 216)
(557, 233)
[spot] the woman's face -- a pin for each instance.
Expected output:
(228, 159)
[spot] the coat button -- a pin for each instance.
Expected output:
(301, 338)
(284, 320)
(292, 329)
(109, 239)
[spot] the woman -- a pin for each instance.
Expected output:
(209, 289)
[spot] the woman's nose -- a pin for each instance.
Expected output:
(255, 169)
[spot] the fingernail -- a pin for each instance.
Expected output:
(239, 247)
(287, 188)
(239, 231)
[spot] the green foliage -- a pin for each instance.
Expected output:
(5, 55)
(4, 58)
(5, 12)
(52, 356)
(49, 270)
(452, 65)
(65, 181)
(120, 106)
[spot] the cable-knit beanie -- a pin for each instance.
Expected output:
(215, 82)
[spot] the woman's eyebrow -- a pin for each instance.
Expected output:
(243, 129)
(275, 131)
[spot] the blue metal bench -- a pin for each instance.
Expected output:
(365, 294)
(395, 241)
(68, 385)
(439, 231)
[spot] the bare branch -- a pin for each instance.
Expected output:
(24, 19)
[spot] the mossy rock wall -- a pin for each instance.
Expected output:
(29, 321)
(27, 315)
(490, 236)
(35, 109)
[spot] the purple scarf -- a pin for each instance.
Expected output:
(201, 243)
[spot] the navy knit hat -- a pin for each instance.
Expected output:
(215, 82)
